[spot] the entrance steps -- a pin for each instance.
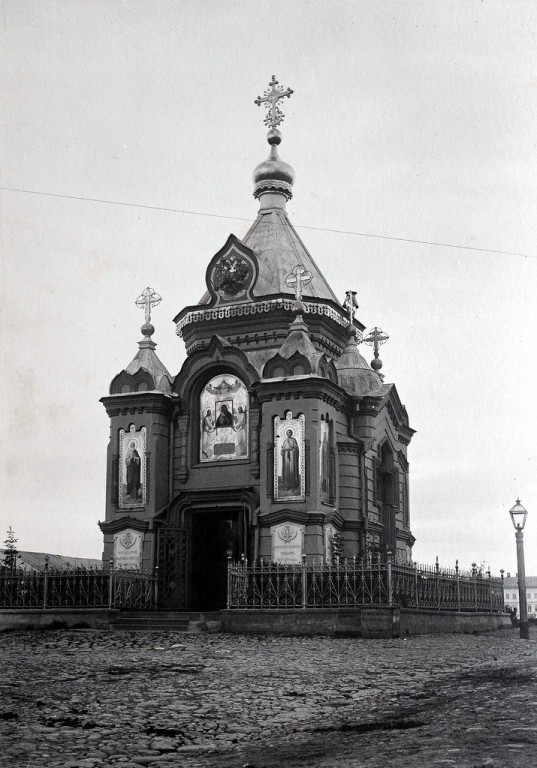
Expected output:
(166, 621)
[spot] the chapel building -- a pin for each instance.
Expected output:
(276, 440)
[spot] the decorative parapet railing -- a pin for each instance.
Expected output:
(78, 588)
(350, 584)
(269, 305)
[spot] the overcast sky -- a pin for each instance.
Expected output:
(411, 120)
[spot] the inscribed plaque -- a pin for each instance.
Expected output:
(128, 549)
(287, 543)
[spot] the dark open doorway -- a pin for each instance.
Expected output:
(216, 534)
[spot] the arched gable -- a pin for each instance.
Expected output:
(218, 356)
(124, 382)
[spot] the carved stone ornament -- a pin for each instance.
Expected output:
(232, 273)
(260, 307)
(287, 533)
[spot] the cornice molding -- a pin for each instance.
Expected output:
(138, 402)
(306, 387)
(115, 526)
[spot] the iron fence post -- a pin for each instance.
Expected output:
(155, 588)
(490, 589)
(416, 583)
(437, 568)
(389, 584)
(474, 574)
(304, 584)
(111, 585)
(228, 603)
(45, 583)
(458, 585)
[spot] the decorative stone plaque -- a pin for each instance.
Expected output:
(287, 543)
(128, 549)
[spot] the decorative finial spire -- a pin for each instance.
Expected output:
(270, 98)
(147, 299)
(273, 178)
(351, 305)
(375, 339)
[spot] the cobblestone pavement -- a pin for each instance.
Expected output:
(91, 699)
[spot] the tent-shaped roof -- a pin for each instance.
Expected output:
(279, 249)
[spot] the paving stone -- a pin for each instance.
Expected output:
(224, 701)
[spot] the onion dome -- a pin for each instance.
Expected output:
(354, 374)
(273, 175)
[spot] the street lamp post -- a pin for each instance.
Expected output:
(518, 516)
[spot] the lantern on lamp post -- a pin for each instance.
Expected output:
(518, 516)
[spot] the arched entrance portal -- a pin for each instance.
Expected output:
(194, 544)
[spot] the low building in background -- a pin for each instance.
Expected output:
(35, 561)
(511, 596)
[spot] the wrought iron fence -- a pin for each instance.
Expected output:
(349, 584)
(77, 588)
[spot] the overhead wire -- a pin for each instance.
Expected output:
(240, 218)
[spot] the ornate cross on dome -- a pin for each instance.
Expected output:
(298, 277)
(147, 299)
(375, 338)
(271, 98)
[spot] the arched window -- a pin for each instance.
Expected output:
(385, 484)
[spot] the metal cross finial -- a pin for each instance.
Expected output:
(375, 338)
(147, 299)
(298, 277)
(350, 304)
(271, 98)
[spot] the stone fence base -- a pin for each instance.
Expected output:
(352, 622)
(66, 618)
(360, 622)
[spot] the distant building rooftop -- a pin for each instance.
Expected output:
(511, 582)
(35, 561)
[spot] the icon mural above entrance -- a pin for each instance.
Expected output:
(224, 419)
